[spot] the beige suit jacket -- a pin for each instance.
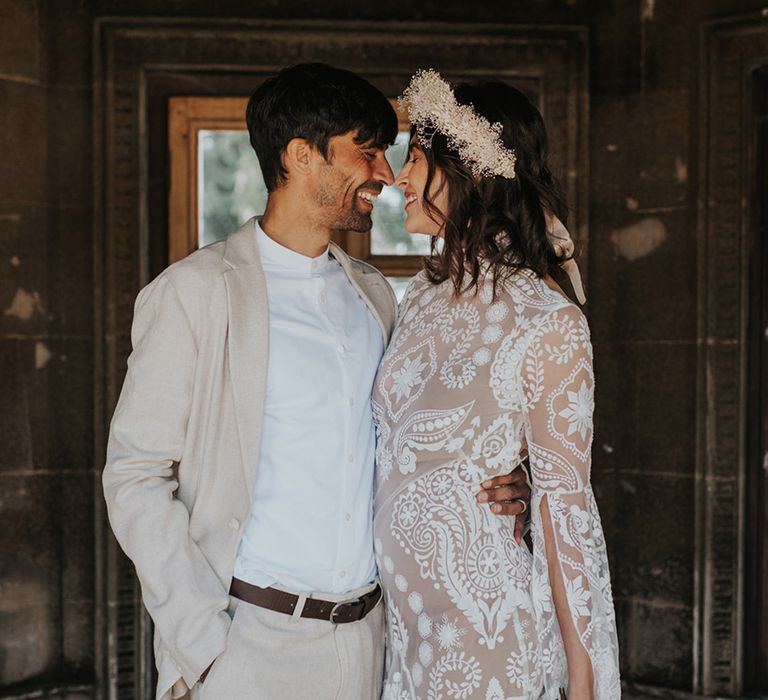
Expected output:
(184, 441)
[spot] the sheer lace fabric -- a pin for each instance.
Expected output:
(466, 387)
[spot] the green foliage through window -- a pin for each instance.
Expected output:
(231, 190)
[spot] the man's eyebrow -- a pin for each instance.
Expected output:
(367, 145)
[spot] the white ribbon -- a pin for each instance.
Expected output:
(561, 241)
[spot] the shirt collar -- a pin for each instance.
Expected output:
(275, 255)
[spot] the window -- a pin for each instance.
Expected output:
(216, 184)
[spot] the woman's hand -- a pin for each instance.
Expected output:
(508, 494)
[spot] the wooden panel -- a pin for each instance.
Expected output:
(187, 116)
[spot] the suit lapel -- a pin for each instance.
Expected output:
(248, 337)
(248, 333)
(373, 283)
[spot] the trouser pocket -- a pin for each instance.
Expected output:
(209, 688)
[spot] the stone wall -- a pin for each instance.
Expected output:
(46, 348)
(642, 284)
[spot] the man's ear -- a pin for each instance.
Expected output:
(298, 156)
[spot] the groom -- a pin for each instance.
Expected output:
(240, 461)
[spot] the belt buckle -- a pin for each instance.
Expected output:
(346, 604)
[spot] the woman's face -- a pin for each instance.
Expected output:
(412, 179)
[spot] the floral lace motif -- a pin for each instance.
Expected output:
(466, 387)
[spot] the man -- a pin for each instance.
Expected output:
(240, 460)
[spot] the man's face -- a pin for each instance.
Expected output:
(348, 183)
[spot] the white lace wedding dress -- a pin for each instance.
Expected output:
(465, 388)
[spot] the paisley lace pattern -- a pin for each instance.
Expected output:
(466, 388)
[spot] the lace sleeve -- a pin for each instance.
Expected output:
(558, 390)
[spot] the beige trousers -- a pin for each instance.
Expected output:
(273, 656)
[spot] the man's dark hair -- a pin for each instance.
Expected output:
(314, 101)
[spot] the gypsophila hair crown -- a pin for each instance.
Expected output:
(432, 107)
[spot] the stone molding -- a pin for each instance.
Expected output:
(128, 50)
(731, 49)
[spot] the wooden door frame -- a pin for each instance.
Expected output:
(187, 116)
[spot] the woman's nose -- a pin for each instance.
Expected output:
(401, 179)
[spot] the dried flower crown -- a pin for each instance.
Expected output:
(432, 107)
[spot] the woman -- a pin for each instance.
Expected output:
(489, 363)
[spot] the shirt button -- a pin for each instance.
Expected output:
(351, 401)
(342, 574)
(351, 458)
(348, 517)
(323, 298)
(234, 524)
(341, 348)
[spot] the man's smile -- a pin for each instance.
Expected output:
(369, 196)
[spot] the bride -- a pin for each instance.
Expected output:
(489, 363)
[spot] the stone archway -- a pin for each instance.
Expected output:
(129, 54)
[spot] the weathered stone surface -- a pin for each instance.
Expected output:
(68, 30)
(15, 428)
(653, 538)
(23, 130)
(70, 163)
(614, 431)
(22, 57)
(69, 420)
(660, 387)
(643, 166)
(24, 297)
(70, 296)
(30, 606)
(36, 296)
(655, 643)
(643, 265)
(45, 408)
(655, 264)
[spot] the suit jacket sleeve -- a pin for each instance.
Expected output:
(182, 593)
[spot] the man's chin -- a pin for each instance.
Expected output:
(360, 222)
(362, 229)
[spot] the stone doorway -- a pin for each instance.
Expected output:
(756, 563)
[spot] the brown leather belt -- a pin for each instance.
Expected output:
(314, 608)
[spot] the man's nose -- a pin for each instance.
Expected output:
(383, 172)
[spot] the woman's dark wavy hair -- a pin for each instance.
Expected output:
(314, 101)
(494, 220)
